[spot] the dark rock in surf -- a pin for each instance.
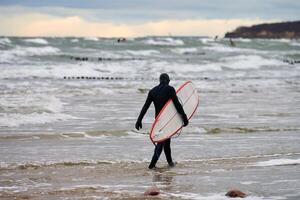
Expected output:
(152, 191)
(235, 193)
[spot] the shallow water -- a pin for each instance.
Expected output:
(67, 124)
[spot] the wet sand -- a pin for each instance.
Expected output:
(265, 174)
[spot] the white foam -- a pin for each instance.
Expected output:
(227, 49)
(8, 55)
(278, 162)
(143, 52)
(92, 38)
(31, 109)
(56, 71)
(249, 182)
(37, 41)
(243, 40)
(249, 62)
(164, 42)
(40, 103)
(14, 120)
(295, 44)
(75, 40)
(98, 53)
(195, 196)
(9, 188)
(136, 134)
(281, 40)
(206, 40)
(5, 41)
(220, 48)
(186, 68)
(194, 129)
(184, 50)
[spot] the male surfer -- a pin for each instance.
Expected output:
(159, 95)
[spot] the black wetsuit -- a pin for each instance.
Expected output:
(159, 95)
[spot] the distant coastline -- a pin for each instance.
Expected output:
(288, 30)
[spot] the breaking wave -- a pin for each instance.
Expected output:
(35, 165)
(5, 41)
(249, 62)
(15, 55)
(164, 42)
(278, 162)
(91, 38)
(37, 41)
(246, 129)
(185, 50)
(143, 52)
(30, 109)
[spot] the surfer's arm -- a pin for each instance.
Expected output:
(179, 107)
(147, 104)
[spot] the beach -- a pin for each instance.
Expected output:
(69, 105)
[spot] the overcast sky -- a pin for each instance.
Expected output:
(138, 17)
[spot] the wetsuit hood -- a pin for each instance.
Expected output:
(164, 79)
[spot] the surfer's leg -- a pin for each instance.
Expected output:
(167, 150)
(157, 152)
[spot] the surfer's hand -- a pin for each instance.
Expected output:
(185, 120)
(138, 125)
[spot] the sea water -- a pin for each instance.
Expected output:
(68, 108)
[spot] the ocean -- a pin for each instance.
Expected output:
(68, 108)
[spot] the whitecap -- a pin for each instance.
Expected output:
(136, 134)
(16, 119)
(228, 49)
(56, 71)
(37, 41)
(243, 39)
(219, 48)
(283, 40)
(9, 188)
(278, 162)
(31, 103)
(92, 38)
(249, 182)
(31, 109)
(206, 40)
(142, 52)
(185, 50)
(8, 57)
(196, 130)
(32, 51)
(164, 42)
(105, 91)
(295, 44)
(5, 41)
(184, 68)
(249, 62)
(75, 40)
(15, 55)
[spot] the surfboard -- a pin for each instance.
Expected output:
(169, 122)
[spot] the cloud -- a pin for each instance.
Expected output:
(135, 10)
(38, 24)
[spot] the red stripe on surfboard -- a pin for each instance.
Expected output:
(156, 119)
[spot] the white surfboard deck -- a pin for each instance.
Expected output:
(169, 122)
